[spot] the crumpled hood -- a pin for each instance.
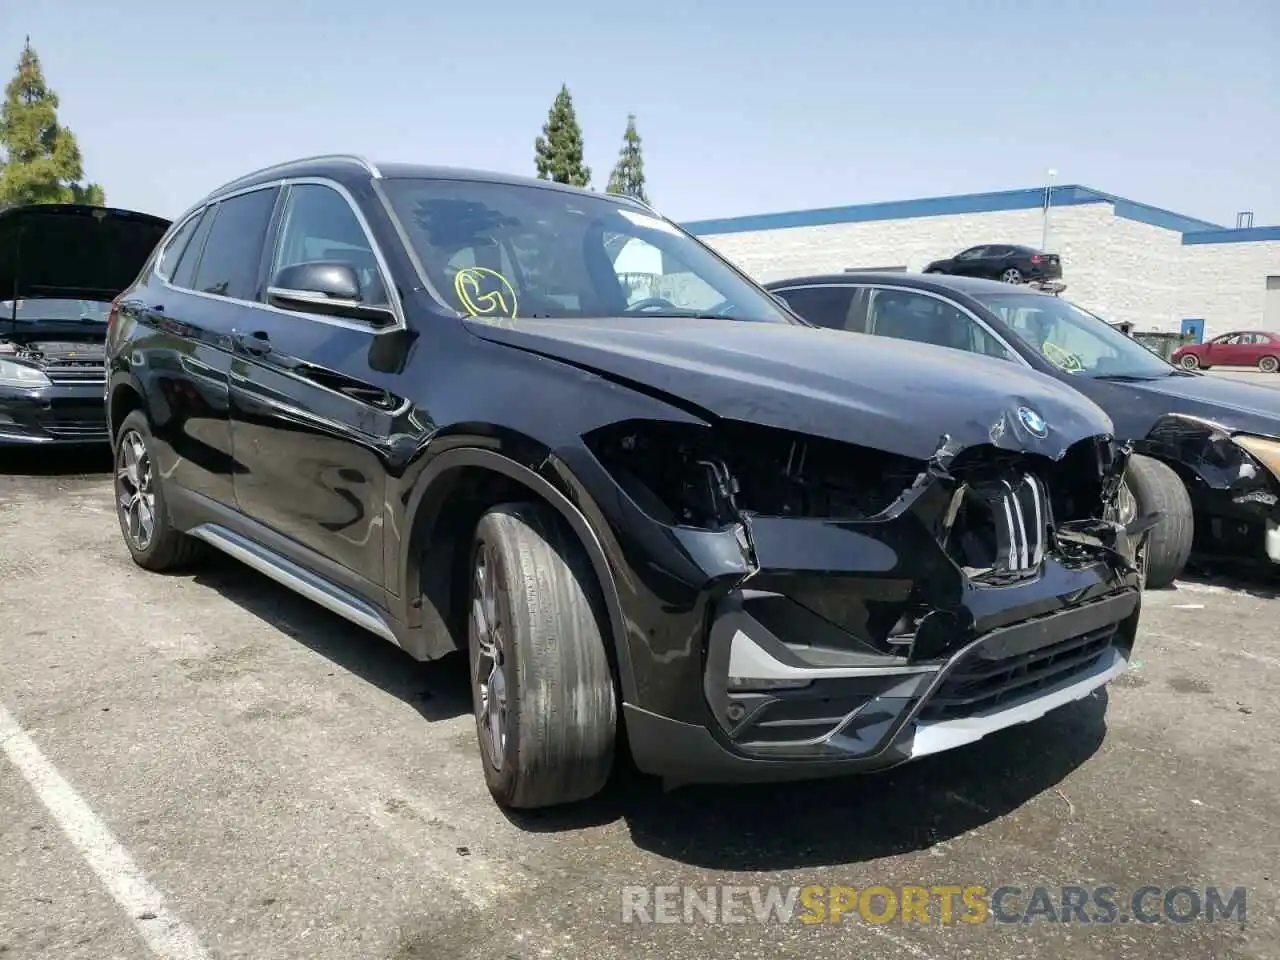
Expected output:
(893, 395)
(1138, 406)
(1238, 406)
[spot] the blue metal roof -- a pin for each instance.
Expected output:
(1193, 229)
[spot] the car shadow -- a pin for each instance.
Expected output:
(847, 820)
(1256, 580)
(731, 828)
(55, 461)
(438, 690)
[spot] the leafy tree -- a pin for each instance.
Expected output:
(41, 160)
(558, 151)
(628, 173)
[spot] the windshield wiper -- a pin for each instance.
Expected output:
(1131, 377)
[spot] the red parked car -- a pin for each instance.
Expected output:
(1243, 348)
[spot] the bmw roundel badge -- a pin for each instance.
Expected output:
(1034, 423)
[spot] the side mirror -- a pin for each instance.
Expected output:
(328, 287)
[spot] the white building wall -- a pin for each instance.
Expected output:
(1121, 269)
(1226, 283)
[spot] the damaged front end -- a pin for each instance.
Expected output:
(873, 607)
(1233, 479)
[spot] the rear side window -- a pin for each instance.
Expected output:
(825, 306)
(233, 252)
(173, 252)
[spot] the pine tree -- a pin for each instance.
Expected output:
(558, 151)
(628, 173)
(41, 160)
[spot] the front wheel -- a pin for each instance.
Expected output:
(1269, 364)
(1189, 361)
(542, 687)
(1156, 488)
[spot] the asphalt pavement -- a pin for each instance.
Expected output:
(206, 766)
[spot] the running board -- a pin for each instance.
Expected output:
(301, 581)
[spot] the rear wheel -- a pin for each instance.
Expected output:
(1156, 488)
(1269, 364)
(1189, 361)
(1012, 275)
(152, 540)
(542, 687)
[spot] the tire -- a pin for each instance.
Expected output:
(1269, 364)
(139, 492)
(1157, 488)
(1189, 362)
(1011, 275)
(531, 613)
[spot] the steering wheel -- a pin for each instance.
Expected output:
(1068, 361)
(650, 303)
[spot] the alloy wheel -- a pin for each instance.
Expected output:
(1268, 364)
(1012, 275)
(1190, 361)
(488, 653)
(135, 490)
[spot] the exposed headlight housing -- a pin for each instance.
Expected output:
(1265, 451)
(13, 374)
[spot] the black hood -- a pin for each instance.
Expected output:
(892, 395)
(1239, 407)
(73, 252)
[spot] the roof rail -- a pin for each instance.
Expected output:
(358, 160)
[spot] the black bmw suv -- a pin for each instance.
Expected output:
(547, 427)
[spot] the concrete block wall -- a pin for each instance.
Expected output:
(1119, 267)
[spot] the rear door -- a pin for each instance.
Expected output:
(311, 420)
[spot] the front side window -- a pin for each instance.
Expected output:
(973, 253)
(513, 250)
(827, 306)
(1073, 340)
(319, 225)
(906, 315)
(233, 251)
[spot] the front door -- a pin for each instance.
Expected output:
(311, 420)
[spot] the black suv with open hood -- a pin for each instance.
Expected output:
(61, 265)
(546, 427)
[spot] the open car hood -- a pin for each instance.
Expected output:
(913, 399)
(74, 252)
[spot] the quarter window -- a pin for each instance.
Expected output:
(184, 274)
(173, 252)
(905, 315)
(233, 253)
(320, 226)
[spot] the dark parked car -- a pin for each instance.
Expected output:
(1006, 262)
(1210, 447)
(545, 426)
(60, 267)
(1241, 348)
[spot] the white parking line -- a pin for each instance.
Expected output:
(164, 933)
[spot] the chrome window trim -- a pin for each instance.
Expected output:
(1017, 357)
(393, 294)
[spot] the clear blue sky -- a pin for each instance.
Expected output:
(743, 108)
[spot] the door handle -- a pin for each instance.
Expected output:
(256, 343)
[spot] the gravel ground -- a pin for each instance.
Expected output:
(206, 766)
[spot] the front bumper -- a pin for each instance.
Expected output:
(61, 414)
(851, 718)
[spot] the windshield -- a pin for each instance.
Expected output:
(73, 311)
(1073, 340)
(509, 250)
